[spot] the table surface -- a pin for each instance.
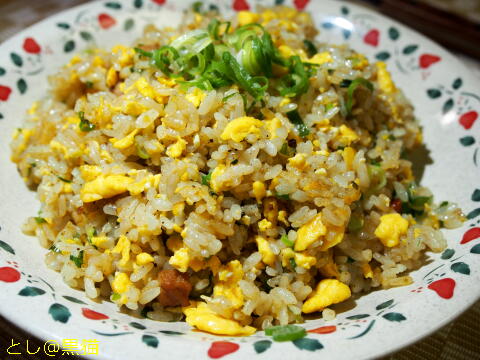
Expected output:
(457, 340)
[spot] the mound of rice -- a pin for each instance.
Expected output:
(171, 201)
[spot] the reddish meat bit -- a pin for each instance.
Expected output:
(175, 288)
(397, 205)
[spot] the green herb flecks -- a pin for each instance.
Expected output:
(40, 220)
(206, 178)
(297, 121)
(351, 90)
(63, 179)
(77, 260)
(54, 249)
(310, 47)
(287, 241)
(116, 296)
(286, 332)
(84, 124)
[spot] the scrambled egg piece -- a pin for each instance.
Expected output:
(182, 258)
(310, 232)
(104, 186)
(99, 241)
(214, 183)
(126, 55)
(90, 172)
(121, 283)
(205, 319)
(301, 259)
(359, 61)
(126, 142)
(123, 247)
(328, 292)
(268, 257)
(144, 88)
(384, 79)
(367, 271)
(259, 190)
(176, 149)
(112, 77)
(298, 161)
(321, 58)
(264, 225)
(348, 155)
(391, 227)
(226, 283)
(247, 17)
(272, 126)
(347, 135)
(330, 241)
(196, 96)
(55, 145)
(144, 258)
(239, 128)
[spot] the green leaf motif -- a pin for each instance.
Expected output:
(357, 317)
(170, 332)
(1, 116)
(262, 346)
(475, 249)
(2, 71)
(150, 340)
(6, 247)
(129, 23)
(473, 214)
(382, 56)
(409, 49)
(384, 305)
(461, 267)
(434, 93)
(16, 59)
(85, 35)
(74, 300)
(112, 334)
(137, 325)
(476, 195)
(467, 140)
(447, 254)
(69, 46)
(59, 312)
(31, 291)
(22, 86)
(345, 10)
(279, 2)
(64, 26)
(364, 332)
(138, 4)
(393, 33)
(113, 5)
(447, 106)
(457, 83)
(394, 317)
(308, 344)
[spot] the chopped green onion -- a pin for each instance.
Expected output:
(63, 179)
(287, 150)
(345, 83)
(418, 202)
(197, 6)
(377, 176)
(91, 232)
(355, 223)
(297, 121)
(77, 260)
(329, 107)
(293, 263)
(350, 260)
(206, 179)
(141, 152)
(282, 196)
(142, 53)
(443, 204)
(54, 249)
(116, 296)
(225, 98)
(89, 84)
(40, 220)
(310, 47)
(286, 332)
(351, 90)
(84, 124)
(296, 82)
(287, 241)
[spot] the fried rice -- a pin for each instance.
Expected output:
(175, 200)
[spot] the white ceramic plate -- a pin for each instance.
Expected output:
(446, 99)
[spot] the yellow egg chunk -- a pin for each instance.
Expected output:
(126, 142)
(144, 258)
(121, 283)
(176, 149)
(246, 17)
(348, 154)
(327, 292)
(180, 259)
(384, 79)
(321, 58)
(104, 187)
(90, 172)
(226, 283)
(391, 227)
(367, 271)
(268, 257)
(347, 135)
(239, 128)
(309, 233)
(264, 225)
(205, 319)
(305, 261)
(196, 96)
(99, 241)
(112, 77)
(331, 242)
(123, 247)
(258, 190)
(273, 125)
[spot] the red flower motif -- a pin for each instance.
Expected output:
(239, 5)
(93, 315)
(372, 37)
(5, 92)
(324, 330)
(31, 46)
(426, 60)
(159, 2)
(301, 4)
(222, 348)
(106, 21)
(467, 119)
(9, 274)
(471, 234)
(443, 287)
